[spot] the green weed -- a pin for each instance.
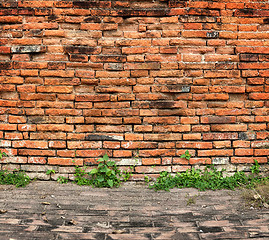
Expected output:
(2, 154)
(186, 155)
(51, 171)
(17, 178)
(210, 178)
(62, 179)
(107, 174)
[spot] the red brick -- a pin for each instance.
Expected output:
(248, 159)
(122, 153)
(244, 152)
(261, 152)
(111, 145)
(65, 161)
(229, 128)
(200, 161)
(259, 96)
(192, 136)
(220, 136)
(30, 152)
(57, 144)
(30, 144)
(151, 161)
(220, 152)
(8, 127)
(90, 153)
(37, 160)
(196, 145)
(157, 152)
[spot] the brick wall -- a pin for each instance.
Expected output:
(142, 81)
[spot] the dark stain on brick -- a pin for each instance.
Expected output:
(85, 5)
(111, 58)
(77, 57)
(249, 57)
(225, 66)
(92, 137)
(222, 119)
(244, 12)
(243, 136)
(161, 104)
(79, 49)
(266, 21)
(177, 89)
(52, 17)
(35, 119)
(5, 65)
(92, 20)
(91, 4)
(177, 3)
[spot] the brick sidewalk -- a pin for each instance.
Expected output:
(48, 210)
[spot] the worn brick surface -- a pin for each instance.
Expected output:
(164, 73)
(48, 210)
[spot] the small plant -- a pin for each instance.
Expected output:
(17, 178)
(186, 155)
(191, 199)
(62, 179)
(50, 171)
(2, 154)
(210, 178)
(107, 174)
(147, 179)
(255, 169)
(80, 178)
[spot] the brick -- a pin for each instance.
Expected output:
(220, 152)
(65, 161)
(248, 159)
(241, 144)
(55, 127)
(30, 144)
(259, 96)
(194, 161)
(90, 153)
(196, 145)
(57, 144)
(192, 136)
(229, 128)
(220, 136)
(222, 144)
(261, 152)
(30, 152)
(161, 137)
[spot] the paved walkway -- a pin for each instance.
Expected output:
(48, 210)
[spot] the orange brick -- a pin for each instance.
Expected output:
(248, 159)
(65, 161)
(151, 161)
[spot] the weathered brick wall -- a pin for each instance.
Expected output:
(143, 81)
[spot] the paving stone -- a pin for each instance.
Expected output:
(48, 210)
